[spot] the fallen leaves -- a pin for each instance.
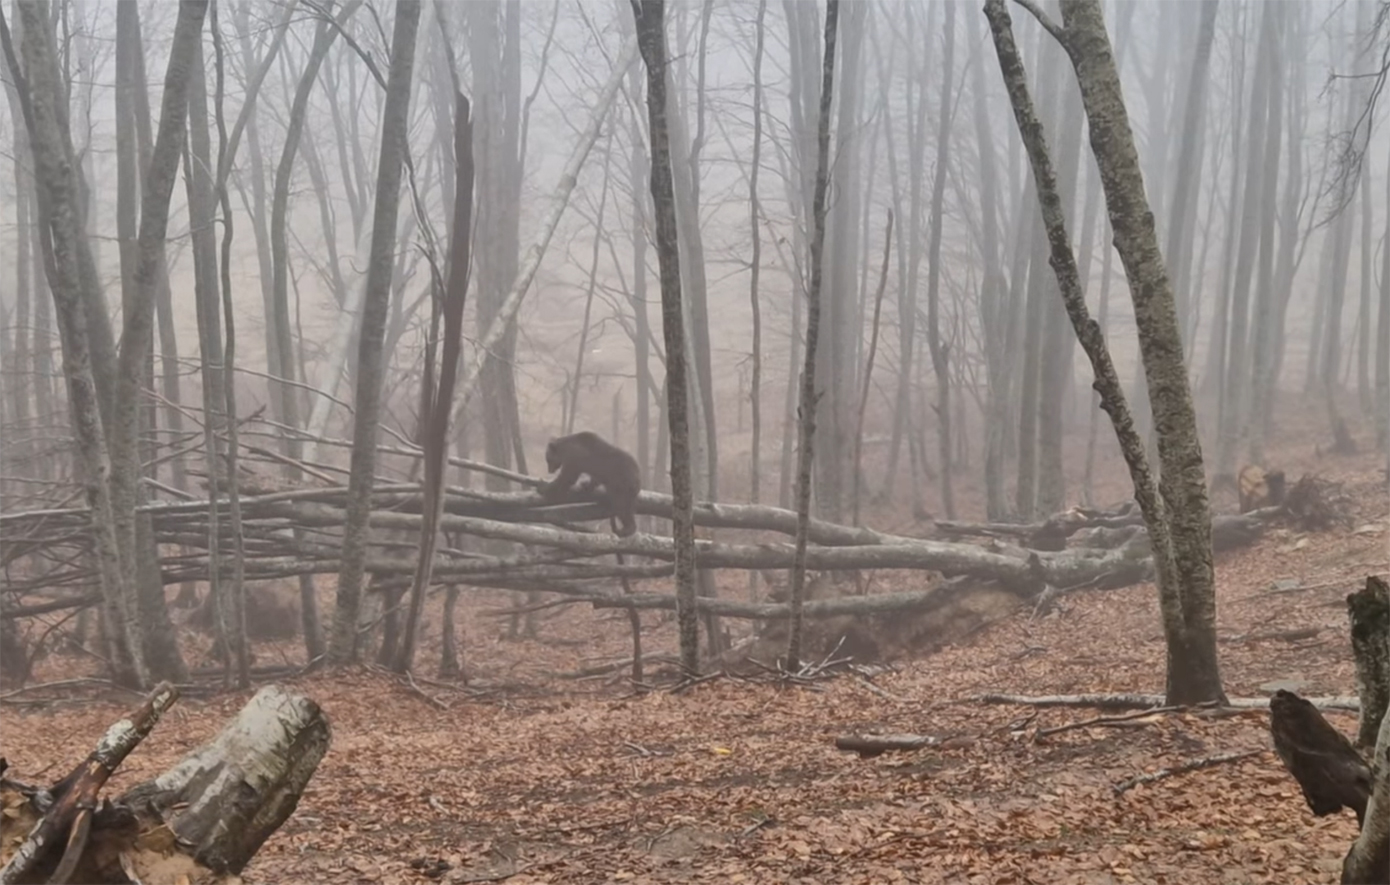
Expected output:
(562, 781)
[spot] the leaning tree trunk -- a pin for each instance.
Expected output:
(1179, 526)
(651, 41)
(395, 121)
(1193, 671)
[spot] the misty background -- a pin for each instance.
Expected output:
(1272, 211)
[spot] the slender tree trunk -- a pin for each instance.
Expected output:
(938, 347)
(61, 240)
(1265, 310)
(497, 86)
(1055, 339)
(755, 211)
(869, 364)
(285, 397)
(813, 315)
(590, 287)
(1237, 375)
(259, 210)
(1214, 382)
(1190, 157)
(1383, 337)
(137, 340)
(993, 289)
(198, 172)
(838, 368)
(1363, 320)
(1103, 322)
(911, 241)
(225, 150)
(342, 646)
(160, 647)
(651, 42)
(641, 343)
(438, 400)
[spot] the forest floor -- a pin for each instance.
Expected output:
(553, 779)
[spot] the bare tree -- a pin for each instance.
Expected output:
(1182, 228)
(437, 400)
(938, 348)
(651, 42)
(1175, 509)
(807, 428)
(1235, 379)
(755, 213)
(160, 647)
(198, 179)
(494, 42)
(342, 646)
(284, 395)
(62, 238)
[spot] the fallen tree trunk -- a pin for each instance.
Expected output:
(877, 604)
(273, 549)
(209, 813)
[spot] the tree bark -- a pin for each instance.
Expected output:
(809, 397)
(755, 212)
(938, 347)
(1177, 514)
(651, 42)
(342, 647)
(1369, 610)
(62, 242)
(1193, 671)
(439, 400)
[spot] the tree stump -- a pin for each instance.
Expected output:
(1329, 770)
(1369, 610)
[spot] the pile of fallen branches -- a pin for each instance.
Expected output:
(289, 533)
(44, 566)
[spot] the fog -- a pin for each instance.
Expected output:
(1304, 229)
(890, 325)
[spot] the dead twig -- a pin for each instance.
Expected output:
(1125, 720)
(1194, 765)
(689, 683)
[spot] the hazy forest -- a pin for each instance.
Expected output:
(582, 441)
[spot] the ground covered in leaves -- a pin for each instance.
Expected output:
(531, 775)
